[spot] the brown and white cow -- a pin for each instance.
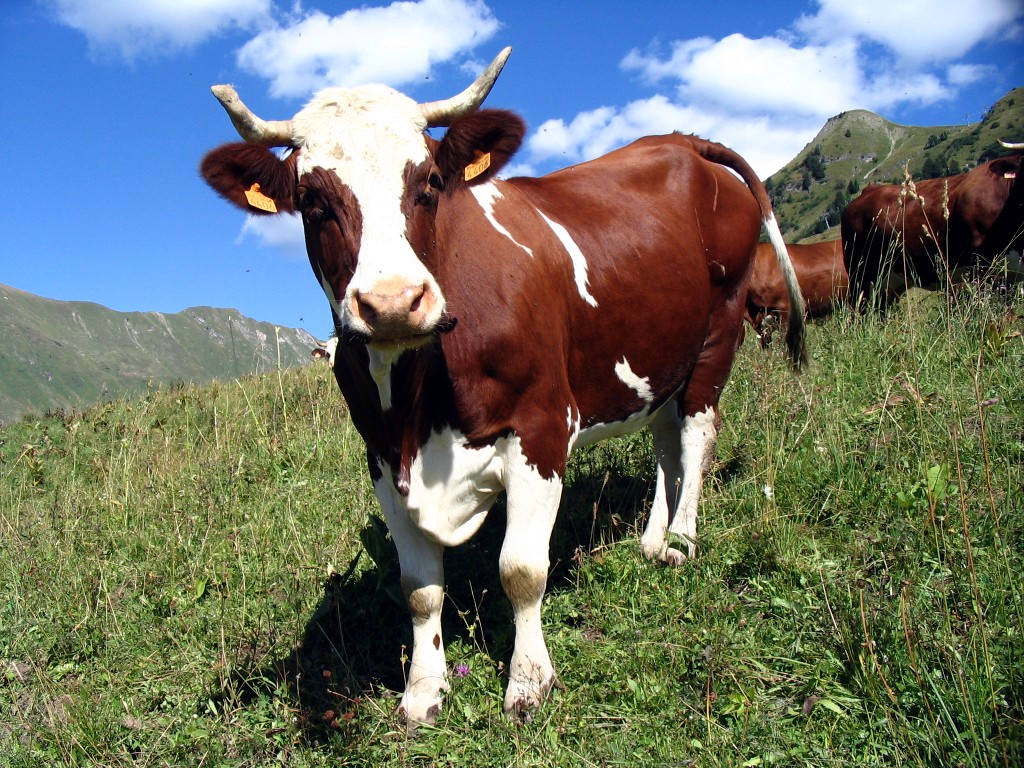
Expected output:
(897, 235)
(819, 270)
(324, 350)
(488, 327)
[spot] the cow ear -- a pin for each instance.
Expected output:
(251, 177)
(1007, 167)
(476, 147)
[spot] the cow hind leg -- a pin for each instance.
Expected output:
(699, 403)
(665, 430)
(532, 504)
(698, 440)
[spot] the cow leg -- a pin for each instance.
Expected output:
(698, 451)
(422, 565)
(668, 450)
(532, 503)
(700, 426)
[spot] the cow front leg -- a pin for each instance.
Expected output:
(532, 506)
(422, 565)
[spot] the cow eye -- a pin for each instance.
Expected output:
(435, 184)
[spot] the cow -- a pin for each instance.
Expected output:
(819, 270)
(935, 230)
(324, 350)
(487, 327)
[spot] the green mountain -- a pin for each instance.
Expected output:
(70, 354)
(857, 148)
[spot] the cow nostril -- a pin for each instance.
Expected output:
(364, 309)
(417, 295)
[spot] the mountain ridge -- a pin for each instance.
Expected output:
(70, 354)
(859, 147)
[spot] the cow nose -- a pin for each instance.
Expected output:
(396, 309)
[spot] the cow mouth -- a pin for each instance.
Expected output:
(404, 341)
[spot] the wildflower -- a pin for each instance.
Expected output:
(769, 492)
(462, 670)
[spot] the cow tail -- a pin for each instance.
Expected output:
(796, 335)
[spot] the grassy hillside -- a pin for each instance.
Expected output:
(858, 148)
(165, 597)
(56, 354)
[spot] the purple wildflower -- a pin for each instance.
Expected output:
(462, 670)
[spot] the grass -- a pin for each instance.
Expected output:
(198, 578)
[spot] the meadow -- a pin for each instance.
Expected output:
(199, 577)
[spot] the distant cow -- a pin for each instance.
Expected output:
(918, 233)
(820, 271)
(324, 350)
(488, 327)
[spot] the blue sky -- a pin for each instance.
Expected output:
(107, 109)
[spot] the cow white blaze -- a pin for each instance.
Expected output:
(579, 262)
(640, 384)
(368, 137)
(487, 195)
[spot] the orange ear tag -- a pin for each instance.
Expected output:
(258, 200)
(478, 166)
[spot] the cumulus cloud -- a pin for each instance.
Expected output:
(767, 97)
(396, 44)
(282, 232)
(916, 31)
(767, 73)
(765, 143)
(132, 28)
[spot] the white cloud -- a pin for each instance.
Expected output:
(283, 232)
(767, 73)
(765, 143)
(155, 27)
(960, 75)
(396, 44)
(916, 31)
(767, 98)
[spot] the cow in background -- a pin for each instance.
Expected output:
(819, 270)
(488, 327)
(922, 233)
(324, 350)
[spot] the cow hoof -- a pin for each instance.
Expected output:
(522, 711)
(676, 558)
(653, 553)
(523, 699)
(414, 713)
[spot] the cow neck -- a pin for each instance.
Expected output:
(396, 401)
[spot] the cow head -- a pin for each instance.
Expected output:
(367, 182)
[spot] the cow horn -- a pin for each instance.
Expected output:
(255, 130)
(442, 113)
(1010, 145)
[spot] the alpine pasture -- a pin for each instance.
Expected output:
(199, 577)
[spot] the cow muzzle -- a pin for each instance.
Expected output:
(395, 313)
